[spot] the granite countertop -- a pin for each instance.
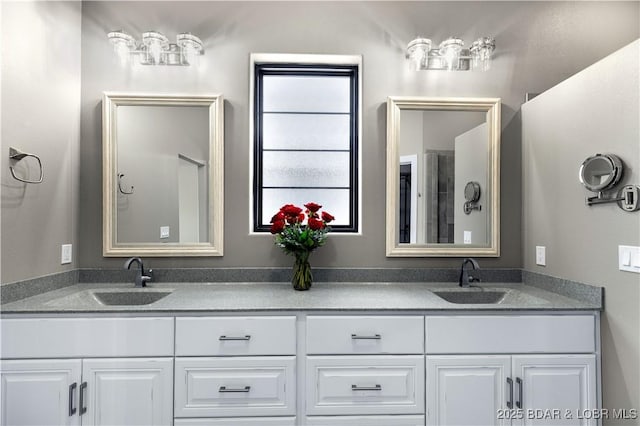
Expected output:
(278, 296)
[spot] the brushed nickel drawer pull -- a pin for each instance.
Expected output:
(83, 389)
(366, 388)
(72, 388)
(520, 400)
(224, 338)
(223, 389)
(374, 337)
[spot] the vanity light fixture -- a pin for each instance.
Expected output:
(450, 54)
(156, 49)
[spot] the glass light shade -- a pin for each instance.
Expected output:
(155, 43)
(481, 51)
(191, 46)
(123, 44)
(450, 50)
(418, 52)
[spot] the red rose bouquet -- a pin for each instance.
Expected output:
(296, 237)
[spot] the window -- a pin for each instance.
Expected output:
(305, 136)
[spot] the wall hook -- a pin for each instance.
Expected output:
(17, 155)
(122, 191)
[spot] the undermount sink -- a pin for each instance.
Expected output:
(471, 296)
(129, 298)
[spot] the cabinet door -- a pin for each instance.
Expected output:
(467, 390)
(40, 392)
(555, 390)
(127, 391)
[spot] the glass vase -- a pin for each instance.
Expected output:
(302, 278)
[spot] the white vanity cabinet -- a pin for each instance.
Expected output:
(542, 370)
(134, 386)
(364, 370)
(235, 370)
(311, 369)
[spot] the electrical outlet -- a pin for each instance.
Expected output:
(541, 255)
(164, 232)
(66, 253)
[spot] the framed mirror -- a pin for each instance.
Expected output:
(163, 175)
(443, 177)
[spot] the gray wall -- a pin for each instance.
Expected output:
(539, 45)
(596, 110)
(40, 104)
(149, 139)
(442, 127)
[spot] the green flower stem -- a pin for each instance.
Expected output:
(302, 277)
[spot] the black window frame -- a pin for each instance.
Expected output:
(297, 69)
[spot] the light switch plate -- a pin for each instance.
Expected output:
(467, 237)
(66, 254)
(164, 232)
(629, 258)
(541, 255)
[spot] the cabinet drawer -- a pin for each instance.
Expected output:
(86, 337)
(365, 421)
(365, 335)
(510, 334)
(244, 421)
(234, 387)
(365, 385)
(236, 336)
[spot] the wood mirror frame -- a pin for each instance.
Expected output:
(490, 106)
(214, 131)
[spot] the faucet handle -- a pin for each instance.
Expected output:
(147, 278)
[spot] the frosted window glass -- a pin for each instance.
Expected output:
(306, 131)
(305, 94)
(334, 201)
(305, 169)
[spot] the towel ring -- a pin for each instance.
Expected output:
(17, 155)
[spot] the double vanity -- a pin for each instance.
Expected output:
(367, 354)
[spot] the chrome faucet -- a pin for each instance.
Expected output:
(141, 279)
(465, 278)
